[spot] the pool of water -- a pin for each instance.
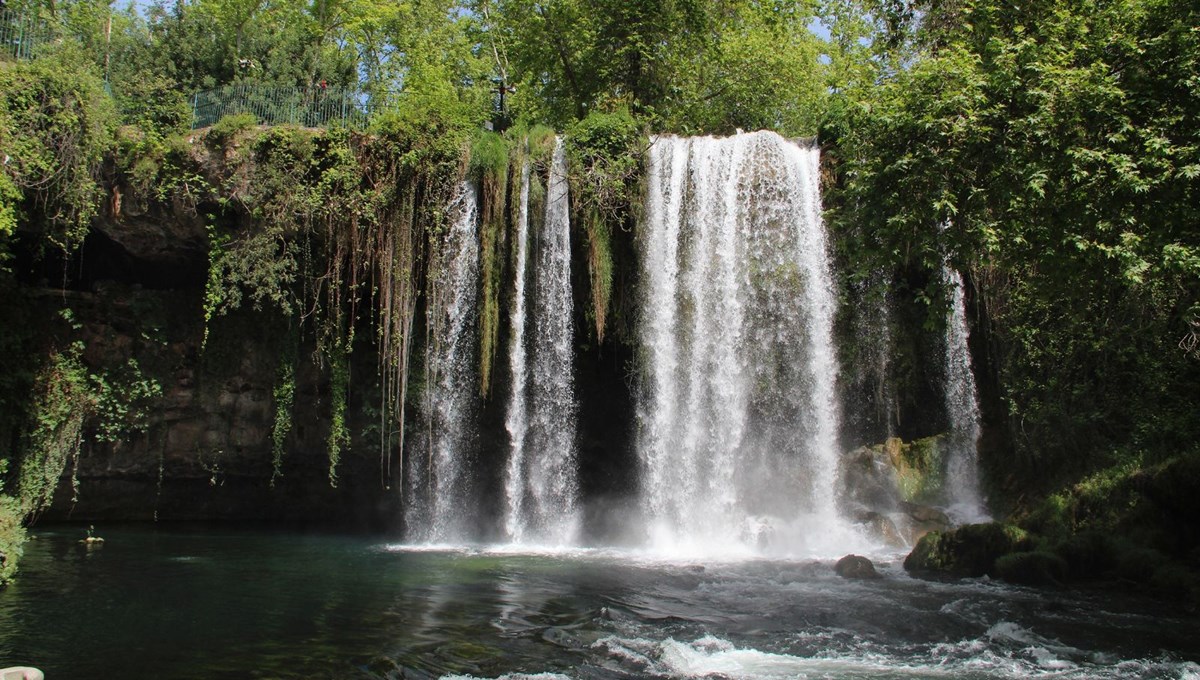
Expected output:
(175, 603)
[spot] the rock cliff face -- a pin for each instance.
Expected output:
(137, 292)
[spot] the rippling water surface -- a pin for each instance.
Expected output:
(204, 604)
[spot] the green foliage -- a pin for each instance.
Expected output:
(229, 127)
(72, 403)
(321, 226)
(606, 151)
(124, 399)
(65, 397)
(692, 66)
(284, 395)
(55, 126)
(1047, 152)
(339, 387)
(12, 534)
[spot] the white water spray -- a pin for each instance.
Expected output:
(738, 412)
(541, 486)
(440, 500)
(962, 409)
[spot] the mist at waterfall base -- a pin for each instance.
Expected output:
(184, 603)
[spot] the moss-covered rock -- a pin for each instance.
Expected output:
(970, 550)
(1035, 568)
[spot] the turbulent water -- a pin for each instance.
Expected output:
(738, 413)
(440, 499)
(202, 604)
(962, 407)
(541, 487)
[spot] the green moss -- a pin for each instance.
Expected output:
(920, 469)
(600, 270)
(970, 550)
(490, 159)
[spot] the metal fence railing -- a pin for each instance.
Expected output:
(21, 34)
(305, 106)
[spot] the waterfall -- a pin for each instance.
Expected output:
(541, 487)
(737, 408)
(440, 497)
(962, 409)
(515, 422)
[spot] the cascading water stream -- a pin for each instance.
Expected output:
(738, 411)
(962, 409)
(440, 498)
(541, 486)
(515, 422)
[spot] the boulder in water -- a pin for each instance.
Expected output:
(970, 550)
(855, 566)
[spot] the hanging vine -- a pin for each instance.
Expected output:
(323, 226)
(490, 168)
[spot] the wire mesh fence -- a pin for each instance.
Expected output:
(21, 34)
(304, 106)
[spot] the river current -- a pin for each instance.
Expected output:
(205, 603)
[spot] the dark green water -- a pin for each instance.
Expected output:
(169, 603)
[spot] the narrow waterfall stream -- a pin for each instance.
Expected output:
(962, 410)
(738, 413)
(541, 486)
(515, 423)
(440, 503)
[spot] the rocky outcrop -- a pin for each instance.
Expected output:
(886, 488)
(205, 449)
(869, 479)
(970, 550)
